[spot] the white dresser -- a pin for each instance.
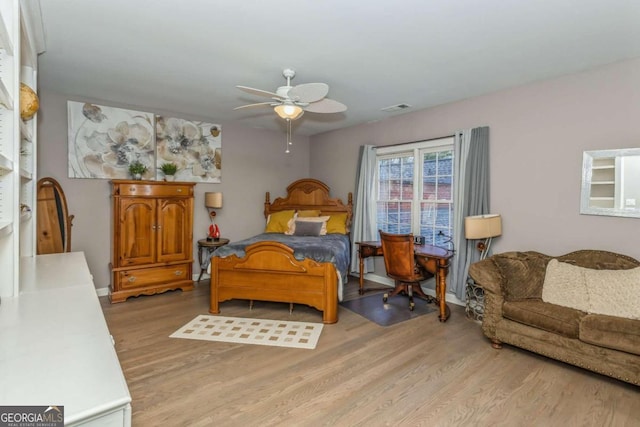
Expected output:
(55, 348)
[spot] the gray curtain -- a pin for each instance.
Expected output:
(363, 227)
(471, 193)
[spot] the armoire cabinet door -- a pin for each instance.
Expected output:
(174, 230)
(137, 237)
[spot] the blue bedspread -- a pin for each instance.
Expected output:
(333, 248)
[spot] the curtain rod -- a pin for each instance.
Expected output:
(413, 142)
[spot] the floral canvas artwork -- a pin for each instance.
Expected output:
(195, 147)
(103, 141)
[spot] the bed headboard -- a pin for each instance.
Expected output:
(307, 194)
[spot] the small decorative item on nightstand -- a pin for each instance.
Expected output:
(214, 233)
(213, 201)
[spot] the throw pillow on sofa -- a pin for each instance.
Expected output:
(565, 285)
(614, 292)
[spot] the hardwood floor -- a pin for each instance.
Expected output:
(419, 372)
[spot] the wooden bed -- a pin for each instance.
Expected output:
(270, 272)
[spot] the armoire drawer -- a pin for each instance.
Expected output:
(155, 190)
(128, 279)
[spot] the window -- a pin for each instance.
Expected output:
(416, 196)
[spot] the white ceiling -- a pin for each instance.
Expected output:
(187, 56)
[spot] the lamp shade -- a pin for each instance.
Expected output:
(482, 226)
(289, 111)
(213, 200)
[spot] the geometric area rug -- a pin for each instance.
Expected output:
(279, 333)
(394, 311)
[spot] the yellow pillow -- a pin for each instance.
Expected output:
(337, 224)
(278, 222)
(308, 213)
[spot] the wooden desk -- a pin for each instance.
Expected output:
(432, 258)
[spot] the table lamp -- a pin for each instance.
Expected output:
(213, 201)
(483, 227)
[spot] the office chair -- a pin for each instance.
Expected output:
(399, 261)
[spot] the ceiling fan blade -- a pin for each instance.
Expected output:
(259, 104)
(308, 92)
(259, 92)
(326, 106)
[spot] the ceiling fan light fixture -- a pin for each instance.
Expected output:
(289, 111)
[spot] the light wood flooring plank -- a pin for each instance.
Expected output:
(417, 373)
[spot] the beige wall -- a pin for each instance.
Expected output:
(253, 162)
(537, 135)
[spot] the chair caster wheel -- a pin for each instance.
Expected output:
(385, 297)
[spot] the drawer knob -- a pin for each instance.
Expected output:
(179, 190)
(132, 189)
(178, 273)
(132, 279)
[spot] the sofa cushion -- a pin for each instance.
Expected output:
(565, 285)
(614, 292)
(549, 317)
(523, 274)
(611, 332)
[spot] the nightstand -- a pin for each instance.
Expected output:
(208, 246)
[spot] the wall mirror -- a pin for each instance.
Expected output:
(611, 183)
(53, 219)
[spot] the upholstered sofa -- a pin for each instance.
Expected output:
(581, 309)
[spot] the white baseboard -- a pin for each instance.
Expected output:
(384, 280)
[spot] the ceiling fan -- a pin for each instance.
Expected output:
(290, 102)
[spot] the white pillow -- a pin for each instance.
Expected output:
(322, 219)
(565, 285)
(614, 292)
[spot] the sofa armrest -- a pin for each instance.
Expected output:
(487, 275)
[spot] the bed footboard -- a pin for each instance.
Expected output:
(270, 272)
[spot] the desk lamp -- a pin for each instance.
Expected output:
(213, 201)
(483, 227)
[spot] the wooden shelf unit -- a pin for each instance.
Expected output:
(20, 25)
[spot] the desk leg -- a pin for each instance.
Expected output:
(441, 289)
(361, 290)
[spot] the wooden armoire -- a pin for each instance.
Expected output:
(152, 238)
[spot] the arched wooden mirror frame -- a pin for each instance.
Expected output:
(53, 219)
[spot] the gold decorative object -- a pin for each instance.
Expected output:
(29, 102)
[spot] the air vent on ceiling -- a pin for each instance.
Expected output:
(397, 107)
